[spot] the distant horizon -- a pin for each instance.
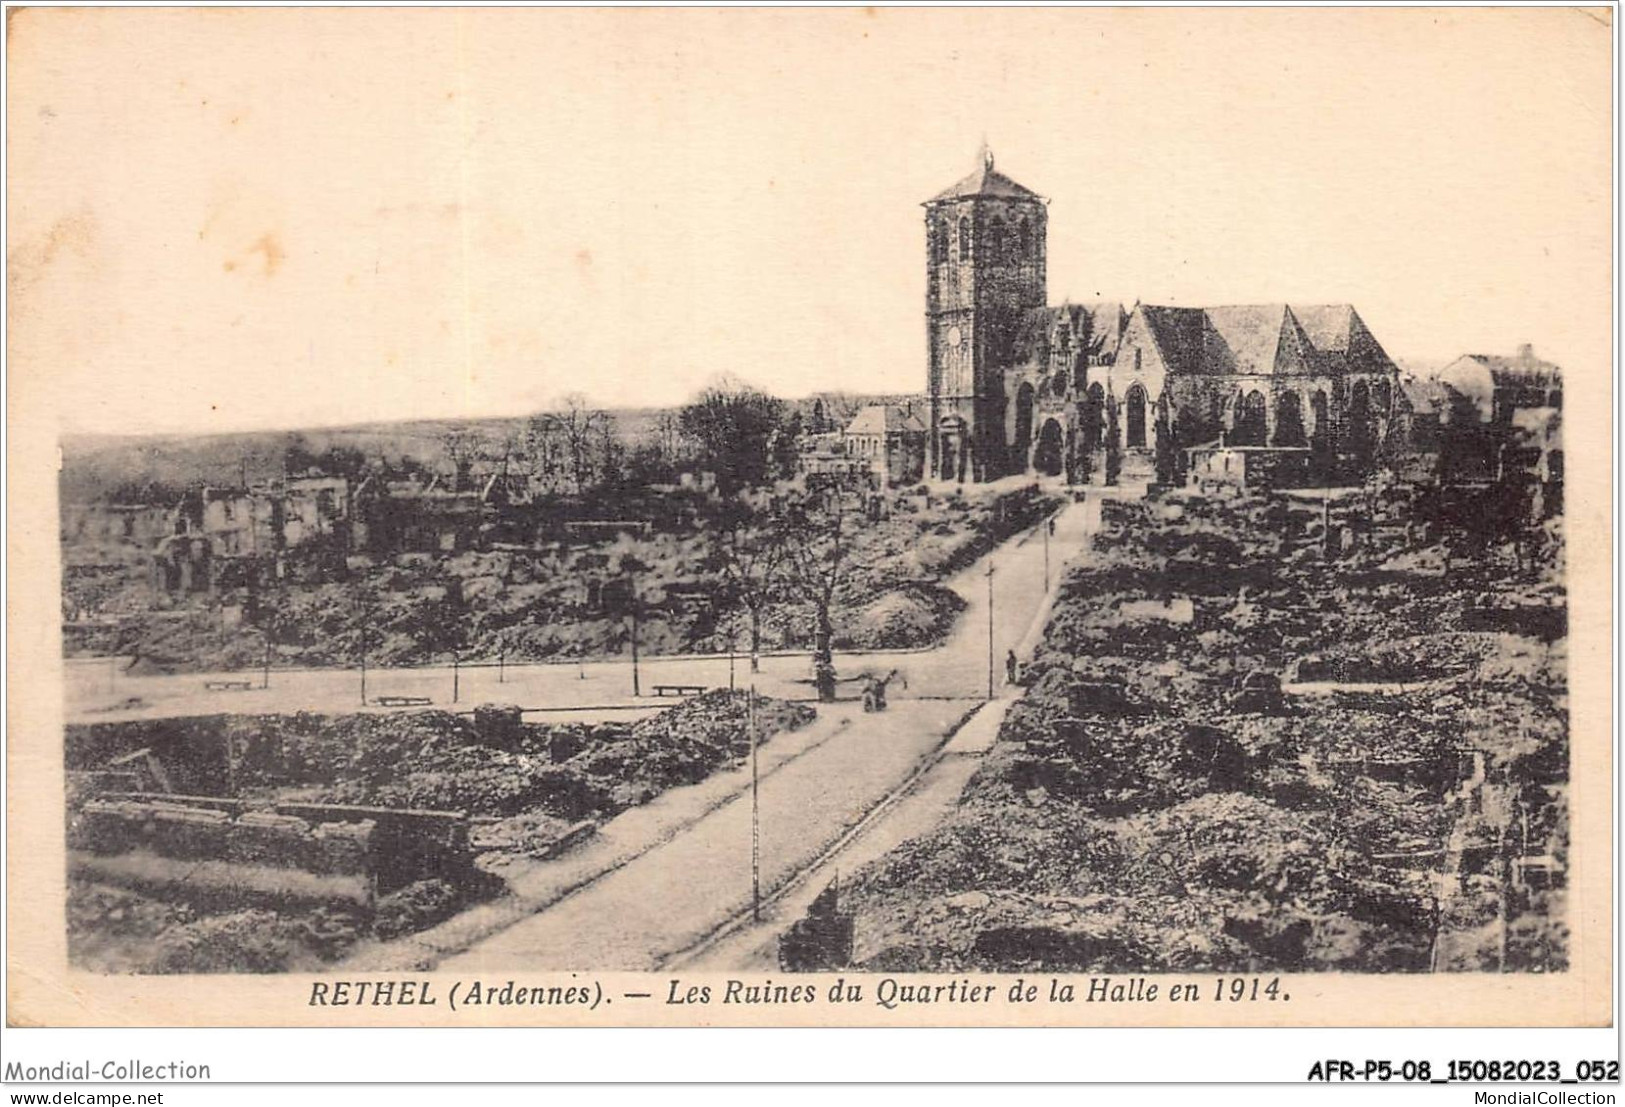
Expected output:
(370, 424)
(1411, 366)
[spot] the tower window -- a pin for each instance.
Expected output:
(939, 241)
(1024, 236)
(997, 247)
(964, 240)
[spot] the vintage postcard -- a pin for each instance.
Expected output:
(863, 517)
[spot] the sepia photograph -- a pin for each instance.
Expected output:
(786, 506)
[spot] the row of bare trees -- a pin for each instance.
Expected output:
(741, 435)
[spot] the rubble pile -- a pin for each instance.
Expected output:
(349, 872)
(550, 599)
(913, 616)
(1261, 732)
(485, 764)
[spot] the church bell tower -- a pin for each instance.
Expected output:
(985, 250)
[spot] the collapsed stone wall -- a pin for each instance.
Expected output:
(386, 848)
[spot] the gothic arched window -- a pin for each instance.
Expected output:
(939, 242)
(964, 240)
(1289, 420)
(1252, 421)
(1136, 416)
(1024, 241)
(997, 247)
(1362, 422)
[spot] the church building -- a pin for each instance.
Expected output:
(1104, 392)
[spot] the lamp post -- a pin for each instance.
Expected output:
(1049, 529)
(1325, 522)
(755, 814)
(635, 692)
(990, 630)
(631, 567)
(363, 630)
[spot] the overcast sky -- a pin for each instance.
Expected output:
(229, 219)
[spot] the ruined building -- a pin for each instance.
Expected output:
(1101, 392)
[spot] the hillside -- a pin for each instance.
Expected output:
(94, 465)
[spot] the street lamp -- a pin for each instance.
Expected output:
(362, 631)
(1049, 529)
(990, 630)
(635, 692)
(631, 566)
(755, 812)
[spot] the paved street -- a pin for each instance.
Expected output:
(670, 898)
(916, 809)
(673, 895)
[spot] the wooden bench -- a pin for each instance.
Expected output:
(679, 689)
(403, 701)
(228, 685)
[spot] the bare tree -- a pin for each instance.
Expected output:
(609, 453)
(512, 451)
(753, 552)
(817, 538)
(461, 447)
(564, 441)
(666, 435)
(545, 447)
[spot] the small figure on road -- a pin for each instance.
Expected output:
(1012, 668)
(874, 694)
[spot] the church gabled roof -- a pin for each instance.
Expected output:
(986, 181)
(1106, 322)
(1264, 339)
(1097, 328)
(1245, 339)
(1178, 334)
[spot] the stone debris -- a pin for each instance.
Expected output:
(1344, 761)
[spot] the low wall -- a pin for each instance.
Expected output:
(193, 832)
(375, 850)
(407, 844)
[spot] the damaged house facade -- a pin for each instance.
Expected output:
(1496, 422)
(213, 528)
(1101, 392)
